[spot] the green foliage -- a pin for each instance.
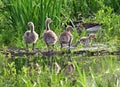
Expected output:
(16, 14)
(115, 4)
(98, 71)
(21, 11)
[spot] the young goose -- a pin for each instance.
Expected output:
(66, 37)
(86, 40)
(30, 36)
(49, 37)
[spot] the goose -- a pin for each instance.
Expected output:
(49, 37)
(91, 27)
(86, 40)
(30, 36)
(66, 37)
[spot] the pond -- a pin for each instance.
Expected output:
(96, 65)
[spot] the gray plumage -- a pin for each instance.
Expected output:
(49, 37)
(30, 36)
(66, 37)
(86, 40)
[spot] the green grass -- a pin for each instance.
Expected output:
(98, 71)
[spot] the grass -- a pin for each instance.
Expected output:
(97, 71)
(100, 71)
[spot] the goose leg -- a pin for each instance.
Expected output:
(69, 44)
(27, 47)
(61, 45)
(33, 46)
(48, 47)
(69, 51)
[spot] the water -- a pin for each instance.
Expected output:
(98, 69)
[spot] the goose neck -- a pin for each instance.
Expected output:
(32, 28)
(47, 26)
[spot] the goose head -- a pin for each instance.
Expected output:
(30, 24)
(48, 21)
(92, 36)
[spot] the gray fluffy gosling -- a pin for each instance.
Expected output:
(66, 37)
(86, 40)
(30, 36)
(49, 37)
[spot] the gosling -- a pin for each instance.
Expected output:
(86, 40)
(30, 36)
(66, 37)
(49, 37)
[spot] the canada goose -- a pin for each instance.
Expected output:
(86, 40)
(49, 37)
(66, 37)
(91, 27)
(30, 36)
